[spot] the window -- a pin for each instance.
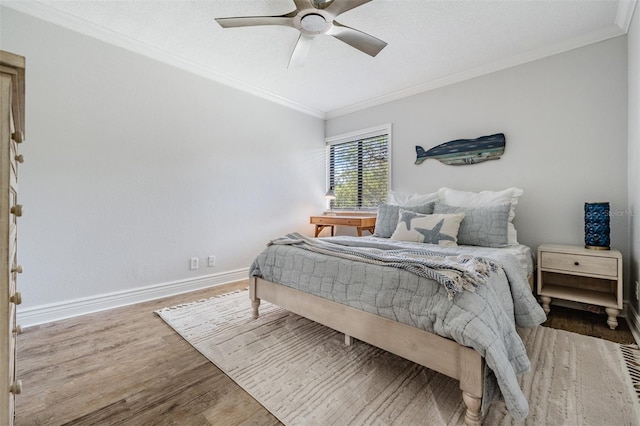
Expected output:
(358, 168)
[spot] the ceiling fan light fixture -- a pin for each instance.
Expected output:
(313, 23)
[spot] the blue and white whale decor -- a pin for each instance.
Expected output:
(596, 226)
(465, 151)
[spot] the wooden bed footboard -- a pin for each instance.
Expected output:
(432, 351)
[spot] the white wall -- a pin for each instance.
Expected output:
(634, 156)
(133, 167)
(565, 121)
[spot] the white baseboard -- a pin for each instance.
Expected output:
(56, 311)
(633, 319)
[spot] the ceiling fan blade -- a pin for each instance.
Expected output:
(251, 21)
(338, 7)
(301, 51)
(362, 41)
(302, 4)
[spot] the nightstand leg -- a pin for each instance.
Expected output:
(613, 317)
(546, 301)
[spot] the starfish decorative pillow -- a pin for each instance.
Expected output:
(441, 229)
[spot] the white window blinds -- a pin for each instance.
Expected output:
(358, 169)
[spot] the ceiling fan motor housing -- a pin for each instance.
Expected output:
(313, 22)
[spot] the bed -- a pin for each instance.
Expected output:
(453, 308)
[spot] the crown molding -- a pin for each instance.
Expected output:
(54, 16)
(625, 14)
(532, 55)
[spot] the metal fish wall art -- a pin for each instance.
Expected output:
(465, 151)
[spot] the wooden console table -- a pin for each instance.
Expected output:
(361, 222)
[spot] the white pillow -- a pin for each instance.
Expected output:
(441, 229)
(403, 199)
(457, 198)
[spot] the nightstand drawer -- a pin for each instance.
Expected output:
(603, 266)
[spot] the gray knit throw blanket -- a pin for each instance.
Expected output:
(455, 273)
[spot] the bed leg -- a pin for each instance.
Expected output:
(472, 416)
(255, 304)
(348, 340)
(471, 384)
(255, 301)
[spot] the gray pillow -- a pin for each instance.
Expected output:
(481, 226)
(389, 214)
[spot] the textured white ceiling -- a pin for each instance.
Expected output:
(430, 43)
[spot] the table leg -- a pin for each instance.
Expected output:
(319, 229)
(365, 228)
(612, 321)
(546, 301)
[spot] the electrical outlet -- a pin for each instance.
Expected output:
(637, 290)
(193, 263)
(211, 261)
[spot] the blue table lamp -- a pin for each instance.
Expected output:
(596, 226)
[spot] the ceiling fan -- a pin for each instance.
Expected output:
(312, 18)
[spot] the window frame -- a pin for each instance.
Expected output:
(384, 129)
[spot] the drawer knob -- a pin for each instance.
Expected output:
(576, 263)
(17, 136)
(17, 268)
(17, 329)
(16, 387)
(17, 210)
(16, 298)
(20, 158)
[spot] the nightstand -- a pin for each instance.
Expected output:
(361, 222)
(581, 275)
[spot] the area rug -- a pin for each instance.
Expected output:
(304, 374)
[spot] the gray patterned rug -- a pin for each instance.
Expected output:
(304, 374)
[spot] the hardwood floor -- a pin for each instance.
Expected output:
(589, 324)
(126, 366)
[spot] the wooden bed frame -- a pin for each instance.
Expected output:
(430, 350)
